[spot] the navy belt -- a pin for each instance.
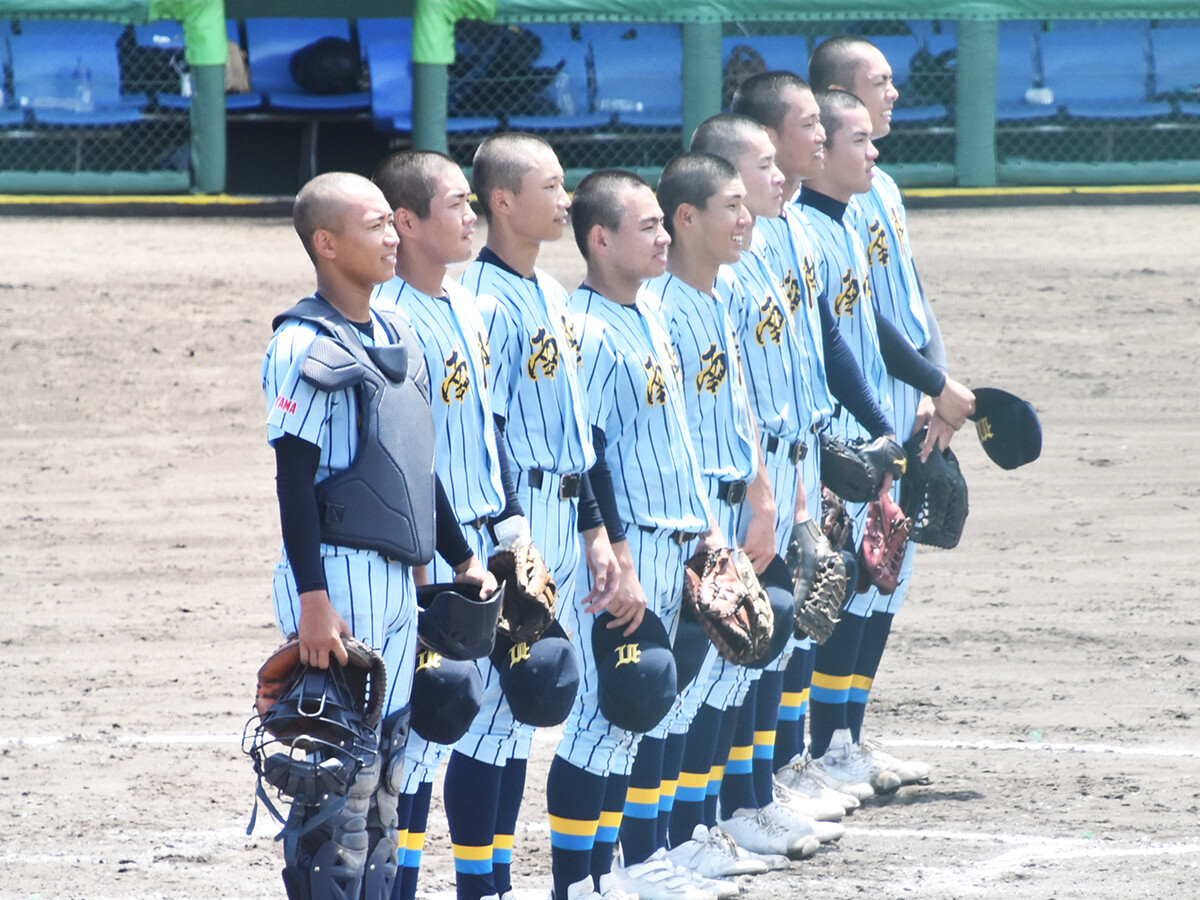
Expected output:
(797, 450)
(678, 537)
(732, 492)
(568, 485)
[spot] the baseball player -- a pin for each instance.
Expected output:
(536, 386)
(778, 367)
(326, 584)
(842, 259)
(431, 202)
(785, 105)
(655, 493)
(856, 65)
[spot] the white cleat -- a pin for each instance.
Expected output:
(760, 834)
(803, 826)
(714, 854)
(909, 771)
(823, 810)
(843, 768)
(797, 777)
(658, 879)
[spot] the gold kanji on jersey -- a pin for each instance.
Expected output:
(770, 327)
(848, 296)
(572, 340)
(544, 356)
(457, 382)
(791, 290)
(810, 280)
(714, 370)
(877, 250)
(656, 385)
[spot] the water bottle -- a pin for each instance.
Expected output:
(83, 86)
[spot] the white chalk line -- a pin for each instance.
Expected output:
(549, 735)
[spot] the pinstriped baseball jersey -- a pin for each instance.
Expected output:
(784, 245)
(535, 368)
(375, 597)
(714, 390)
(634, 396)
(455, 345)
(772, 355)
(842, 267)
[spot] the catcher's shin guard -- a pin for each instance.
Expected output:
(383, 817)
(327, 862)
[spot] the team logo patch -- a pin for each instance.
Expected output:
(810, 280)
(628, 654)
(427, 659)
(983, 428)
(791, 290)
(288, 406)
(569, 331)
(770, 327)
(518, 653)
(545, 355)
(457, 382)
(656, 385)
(713, 373)
(877, 249)
(897, 225)
(848, 297)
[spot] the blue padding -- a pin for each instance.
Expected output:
(373, 30)
(919, 113)
(96, 118)
(270, 44)
(1087, 68)
(788, 52)
(1176, 54)
(44, 65)
(638, 79)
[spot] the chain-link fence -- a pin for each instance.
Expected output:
(93, 97)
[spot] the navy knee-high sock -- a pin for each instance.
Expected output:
(870, 652)
(831, 681)
(766, 721)
(737, 783)
(512, 789)
(724, 743)
(616, 787)
(573, 799)
(405, 885)
(699, 749)
(672, 765)
(639, 826)
(472, 797)
(793, 706)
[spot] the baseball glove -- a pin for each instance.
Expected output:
(885, 538)
(854, 470)
(934, 495)
(835, 521)
(725, 597)
(365, 675)
(531, 595)
(819, 581)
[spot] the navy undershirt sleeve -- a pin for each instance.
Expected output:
(451, 545)
(589, 510)
(846, 380)
(602, 487)
(296, 462)
(905, 363)
(512, 503)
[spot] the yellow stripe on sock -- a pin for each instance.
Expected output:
(764, 738)
(414, 841)
(611, 818)
(716, 773)
(831, 682)
(583, 827)
(642, 795)
(668, 788)
(861, 682)
(502, 841)
(693, 779)
(792, 698)
(465, 851)
(739, 754)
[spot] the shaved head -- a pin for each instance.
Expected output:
(409, 179)
(323, 202)
(763, 97)
(836, 61)
(501, 161)
(832, 104)
(727, 136)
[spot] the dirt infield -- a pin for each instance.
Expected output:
(1047, 668)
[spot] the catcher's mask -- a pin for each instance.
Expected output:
(452, 621)
(777, 582)
(311, 742)
(447, 695)
(636, 674)
(539, 680)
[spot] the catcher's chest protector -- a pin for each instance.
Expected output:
(384, 501)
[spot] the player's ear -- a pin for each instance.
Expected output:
(685, 215)
(501, 200)
(406, 222)
(598, 239)
(324, 243)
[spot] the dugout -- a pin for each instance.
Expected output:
(967, 134)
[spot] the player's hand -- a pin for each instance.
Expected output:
(628, 605)
(954, 403)
(925, 412)
(939, 435)
(320, 631)
(475, 572)
(759, 543)
(606, 571)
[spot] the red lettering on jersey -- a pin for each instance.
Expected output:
(288, 406)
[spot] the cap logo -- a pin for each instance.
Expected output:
(427, 659)
(518, 653)
(628, 653)
(984, 429)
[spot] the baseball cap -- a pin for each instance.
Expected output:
(539, 680)
(1008, 427)
(454, 622)
(636, 674)
(447, 694)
